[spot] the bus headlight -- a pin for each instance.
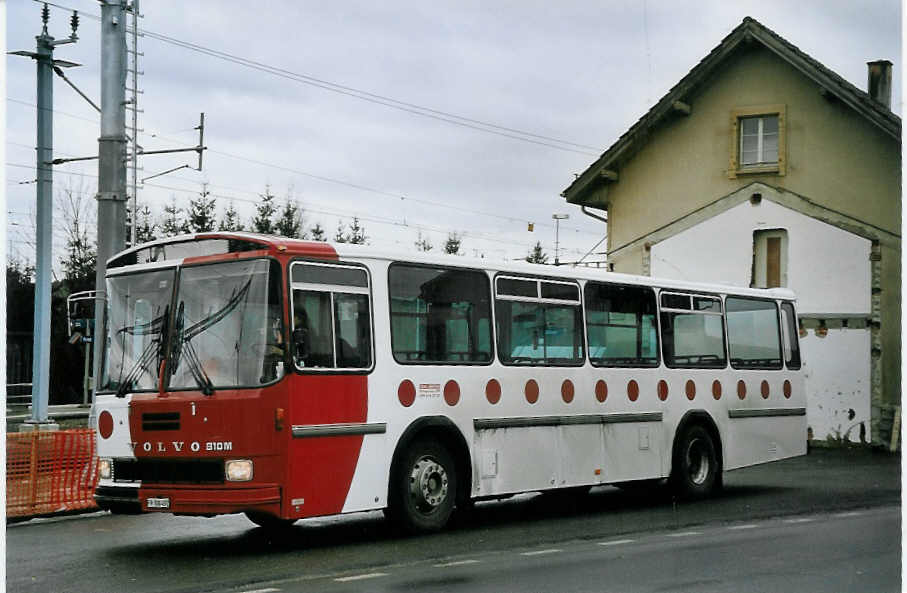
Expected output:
(105, 468)
(238, 470)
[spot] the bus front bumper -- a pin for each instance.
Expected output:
(188, 500)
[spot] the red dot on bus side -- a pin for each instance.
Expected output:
(532, 391)
(493, 391)
(105, 424)
(690, 389)
(662, 390)
(451, 393)
(765, 389)
(567, 391)
(787, 389)
(716, 389)
(406, 393)
(633, 390)
(601, 390)
(741, 389)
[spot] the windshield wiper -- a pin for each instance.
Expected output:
(182, 344)
(158, 327)
(182, 340)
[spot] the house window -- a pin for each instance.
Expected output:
(757, 140)
(769, 258)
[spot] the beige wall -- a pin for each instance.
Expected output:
(835, 156)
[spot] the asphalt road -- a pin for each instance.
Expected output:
(161, 553)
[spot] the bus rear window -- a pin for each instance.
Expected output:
(752, 333)
(439, 315)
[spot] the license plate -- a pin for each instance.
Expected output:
(158, 503)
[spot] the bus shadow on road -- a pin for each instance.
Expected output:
(605, 509)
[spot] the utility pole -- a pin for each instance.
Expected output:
(44, 56)
(111, 162)
(557, 235)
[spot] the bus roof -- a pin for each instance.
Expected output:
(187, 249)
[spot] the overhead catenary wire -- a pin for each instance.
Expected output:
(353, 185)
(437, 114)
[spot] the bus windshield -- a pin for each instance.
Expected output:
(228, 329)
(138, 310)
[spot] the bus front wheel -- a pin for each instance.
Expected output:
(424, 488)
(696, 469)
(268, 521)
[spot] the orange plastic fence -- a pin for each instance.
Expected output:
(50, 472)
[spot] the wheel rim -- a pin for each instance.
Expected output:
(698, 461)
(428, 484)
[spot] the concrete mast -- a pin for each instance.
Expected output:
(111, 161)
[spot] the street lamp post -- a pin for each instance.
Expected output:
(557, 233)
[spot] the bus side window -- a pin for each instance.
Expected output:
(791, 331)
(312, 332)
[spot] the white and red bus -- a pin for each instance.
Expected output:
(288, 379)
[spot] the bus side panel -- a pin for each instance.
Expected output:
(321, 468)
(751, 441)
(633, 451)
(517, 459)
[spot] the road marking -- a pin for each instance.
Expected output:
(685, 534)
(540, 552)
(268, 590)
(617, 542)
(750, 526)
(457, 563)
(849, 514)
(102, 530)
(800, 520)
(361, 577)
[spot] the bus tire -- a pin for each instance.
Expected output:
(424, 488)
(696, 469)
(268, 521)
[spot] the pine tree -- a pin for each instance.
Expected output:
(339, 237)
(173, 223)
(423, 243)
(290, 222)
(357, 234)
(201, 213)
(230, 221)
(144, 228)
(318, 233)
(536, 255)
(452, 245)
(264, 213)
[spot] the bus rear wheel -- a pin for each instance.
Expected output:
(424, 488)
(696, 469)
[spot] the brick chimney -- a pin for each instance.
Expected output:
(880, 82)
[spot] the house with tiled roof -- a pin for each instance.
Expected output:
(762, 167)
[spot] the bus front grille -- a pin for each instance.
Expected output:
(161, 421)
(169, 471)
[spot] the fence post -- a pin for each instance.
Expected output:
(33, 472)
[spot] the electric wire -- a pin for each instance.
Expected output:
(386, 101)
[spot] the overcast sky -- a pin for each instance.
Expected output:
(581, 72)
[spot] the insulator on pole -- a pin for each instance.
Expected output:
(74, 21)
(45, 15)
